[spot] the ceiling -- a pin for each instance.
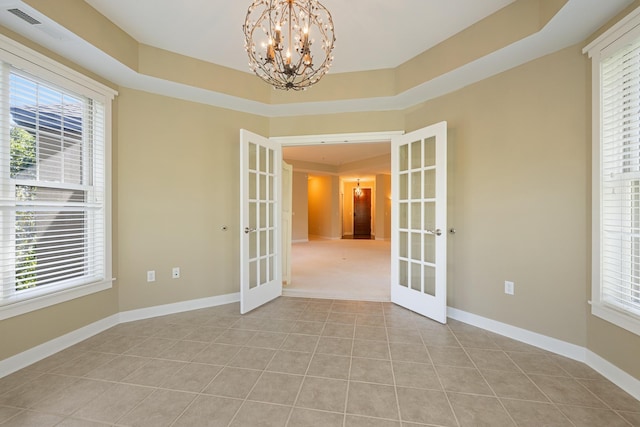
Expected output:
(371, 34)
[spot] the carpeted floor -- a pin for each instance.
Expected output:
(341, 269)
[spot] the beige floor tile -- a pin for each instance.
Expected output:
(592, 417)
(221, 321)
(566, 391)
(233, 382)
(314, 316)
(76, 422)
(372, 400)
(7, 412)
(283, 326)
(301, 417)
(425, 406)
(154, 373)
(184, 351)
(463, 380)
(268, 414)
(371, 370)
(345, 318)
(370, 320)
(273, 387)
(439, 337)
(235, 337)
(338, 330)
(160, 408)
(323, 394)
(476, 340)
(272, 340)
(118, 344)
(209, 411)
(449, 356)
(359, 421)
(416, 375)
(513, 385)
(298, 342)
(249, 323)
(612, 395)
(205, 334)
(329, 366)
(17, 379)
(33, 419)
(73, 397)
(84, 364)
(403, 335)
(175, 332)
(495, 360)
(113, 403)
(337, 346)
(371, 349)
(373, 333)
(252, 358)
(479, 411)
(574, 368)
(193, 377)
(536, 363)
(535, 414)
(34, 391)
(290, 362)
(217, 354)
(151, 347)
(508, 344)
(308, 328)
(631, 417)
(118, 368)
(403, 352)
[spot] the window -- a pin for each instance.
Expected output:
(54, 182)
(616, 174)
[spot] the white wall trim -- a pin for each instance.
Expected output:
(614, 374)
(35, 354)
(178, 307)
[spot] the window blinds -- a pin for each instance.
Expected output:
(620, 167)
(52, 207)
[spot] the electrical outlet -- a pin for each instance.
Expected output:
(509, 287)
(175, 273)
(151, 276)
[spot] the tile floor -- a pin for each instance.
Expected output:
(305, 362)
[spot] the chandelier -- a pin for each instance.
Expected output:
(289, 42)
(358, 190)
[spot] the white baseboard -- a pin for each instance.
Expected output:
(35, 354)
(178, 307)
(614, 374)
(301, 293)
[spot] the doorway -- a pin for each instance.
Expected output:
(362, 213)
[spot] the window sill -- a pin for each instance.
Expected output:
(617, 317)
(27, 305)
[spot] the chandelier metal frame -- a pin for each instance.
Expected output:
(289, 42)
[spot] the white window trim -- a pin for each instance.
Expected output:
(39, 65)
(606, 44)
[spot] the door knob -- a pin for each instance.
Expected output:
(248, 230)
(436, 232)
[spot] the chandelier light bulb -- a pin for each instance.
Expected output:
(289, 58)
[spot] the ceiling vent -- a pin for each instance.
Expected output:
(24, 16)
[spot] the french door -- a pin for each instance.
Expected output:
(260, 239)
(419, 221)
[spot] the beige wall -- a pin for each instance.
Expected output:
(178, 180)
(324, 212)
(300, 221)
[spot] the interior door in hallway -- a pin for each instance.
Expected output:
(419, 221)
(260, 220)
(362, 214)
